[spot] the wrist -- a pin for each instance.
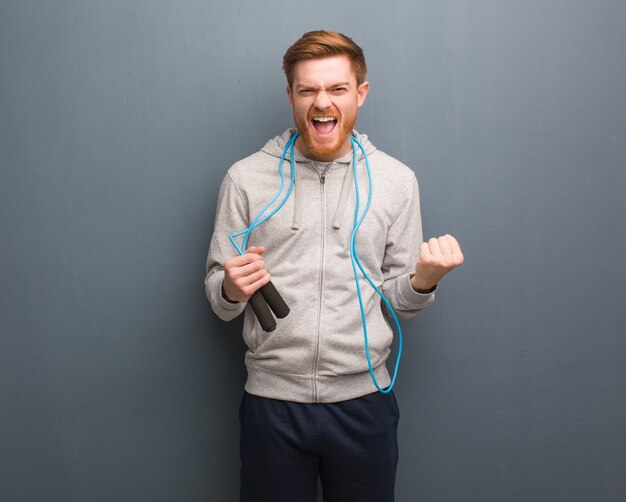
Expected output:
(225, 296)
(420, 287)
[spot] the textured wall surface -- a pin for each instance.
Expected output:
(118, 120)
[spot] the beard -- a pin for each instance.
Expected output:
(325, 150)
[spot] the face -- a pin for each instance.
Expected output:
(325, 100)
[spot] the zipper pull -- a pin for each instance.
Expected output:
(323, 174)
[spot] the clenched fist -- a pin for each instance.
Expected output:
(244, 274)
(437, 257)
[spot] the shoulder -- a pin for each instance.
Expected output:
(391, 171)
(249, 163)
(252, 167)
(262, 162)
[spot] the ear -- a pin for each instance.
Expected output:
(362, 93)
(289, 96)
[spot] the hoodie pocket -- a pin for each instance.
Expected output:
(252, 332)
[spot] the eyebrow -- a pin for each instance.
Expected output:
(311, 86)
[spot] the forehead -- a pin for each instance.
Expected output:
(323, 71)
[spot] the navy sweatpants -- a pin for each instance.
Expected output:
(351, 445)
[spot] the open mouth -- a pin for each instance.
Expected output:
(324, 125)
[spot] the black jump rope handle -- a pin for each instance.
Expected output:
(263, 300)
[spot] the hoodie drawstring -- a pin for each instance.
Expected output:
(343, 198)
(297, 213)
(341, 205)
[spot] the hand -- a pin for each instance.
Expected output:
(437, 258)
(244, 274)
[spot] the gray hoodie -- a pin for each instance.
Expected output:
(317, 352)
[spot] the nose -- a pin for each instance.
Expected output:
(322, 101)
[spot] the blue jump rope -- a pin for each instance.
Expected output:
(268, 296)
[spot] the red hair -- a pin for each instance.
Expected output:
(322, 44)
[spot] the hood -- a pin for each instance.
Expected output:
(276, 147)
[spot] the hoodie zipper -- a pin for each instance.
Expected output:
(321, 281)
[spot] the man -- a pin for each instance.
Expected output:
(311, 407)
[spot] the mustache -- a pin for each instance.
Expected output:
(334, 114)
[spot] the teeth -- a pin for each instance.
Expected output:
(325, 119)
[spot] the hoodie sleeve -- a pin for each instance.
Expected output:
(230, 217)
(401, 253)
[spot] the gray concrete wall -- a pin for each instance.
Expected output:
(118, 120)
